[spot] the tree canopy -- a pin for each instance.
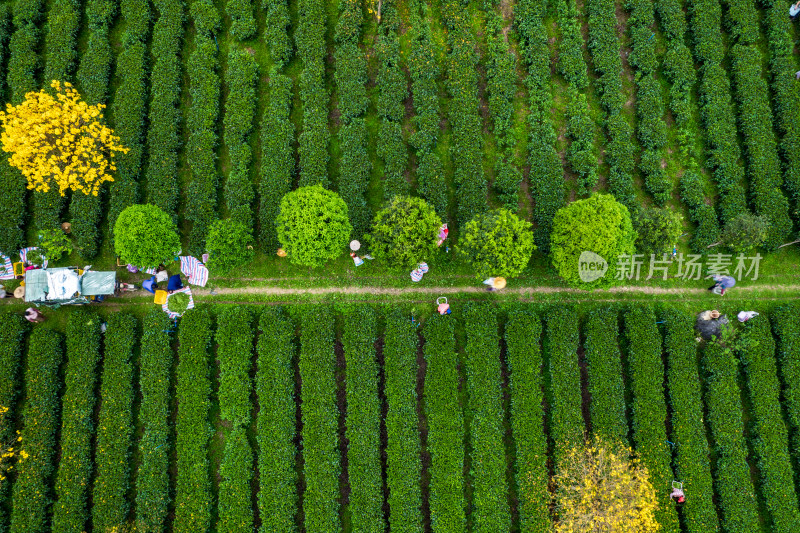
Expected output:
(59, 141)
(658, 230)
(312, 225)
(404, 232)
(497, 243)
(145, 236)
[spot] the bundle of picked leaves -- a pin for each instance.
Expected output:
(178, 303)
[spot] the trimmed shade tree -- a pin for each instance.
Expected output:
(312, 225)
(497, 243)
(229, 245)
(598, 224)
(145, 236)
(404, 232)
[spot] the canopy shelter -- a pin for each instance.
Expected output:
(55, 287)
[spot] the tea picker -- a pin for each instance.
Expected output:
(442, 306)
(677, 492)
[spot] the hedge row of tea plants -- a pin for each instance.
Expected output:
(193, 499)
(651, 130)
(320, 421)
(114, 425)
(11, 340)
(571, 64)
(604, 365)
(277, 494)
(501, 82)
(309, 37)
(241, 77)
(547, 189)
(63, 20)
(735, 496)
(152, 478)
(164, 116)
(445, 427)
(692, 465)
(424, 66)
(564, 394)
(604, 46)
(351, 92)
(403, 463)
(701, 213)
(649, 409)
(524, 358)
(490, 511)
(363, 420)
(277, 156)
(73, 479)
(243, 23)
(716, 107)
(234, 339)
(769, 435)
(130, 106)
(32, 490)
(276, 32)
(787, 330)
(201, 123)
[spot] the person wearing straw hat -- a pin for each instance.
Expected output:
(495, 283)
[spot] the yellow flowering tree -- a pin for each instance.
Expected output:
(57, 140)
(601, 486)
(9, 451)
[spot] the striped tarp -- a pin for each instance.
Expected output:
(196, 273)
(6, 268)
(23, 256)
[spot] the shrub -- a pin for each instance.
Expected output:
(445, 427)
(403, 464)
(115, 425)
(604, 365)
(404, 232)
(597, 224)
(277, 37)
(745, 232)
(497, 243)
(657, 229)
(482, 353)
(701, 213)
(787, 331)
(312, 225)
(52, 244)
(229, 245)
(243, 24)
(193, 499)
(277, 495)
(32, 490)
(77, 427)
(319, 416)
(152, 479)
(145, 236)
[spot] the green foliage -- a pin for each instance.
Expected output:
(178, 303)
(597, 224)
(164, 117)
(115, 425)
(604, 365)
(243, 24)
(768, 431)
(657, 229)
(12, 207)
(73, 479)
(490, 489)
(32, 490)
(403, 464)
(497, 243)
(85, 211)
(354, 173)
(523, 333)
(392, 91)
(580, 129)
(319, 417)
(229, 245)
(570, 45)
(277, 157)
(312, 225)
(62, 30)
(145, 236)
(152, 477)
(404, 232)
(276, 35)
(235, 347)
(193, 498)
(11, 339)
(648, 408)
(277, 495)
(363, 420)
(692, 465)
(735, 496)
(745, 232)
(701, 213)
(445, 427)
(787, 330)
(52, 244)
(241, 77)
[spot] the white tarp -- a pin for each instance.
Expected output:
(62, 284)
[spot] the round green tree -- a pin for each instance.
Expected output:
(312, 225)
(404, 232)
(497, 243)
(229, 245)
(145, 236)
(598, 225)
